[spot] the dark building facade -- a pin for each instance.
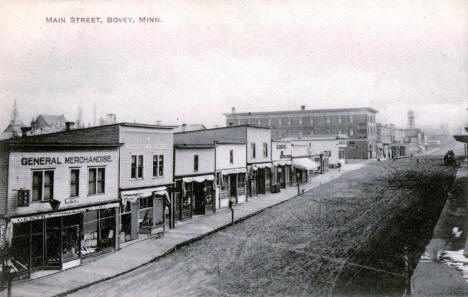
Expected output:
(357, 123)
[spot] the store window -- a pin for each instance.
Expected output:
(231, 156)
(96, 181)
(158, 165)
(20, 244)
(70, 238)
(241, 184)
(195, 163)
(265, 149)
(98, 231)
(74, 182)
(145, 214)
(43, 185)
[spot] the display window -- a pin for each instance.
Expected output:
(241, 184)
(145, 213)
(70, 237)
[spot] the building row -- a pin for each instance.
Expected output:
(367, 139)
(69, 196)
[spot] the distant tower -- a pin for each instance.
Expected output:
(79, 124)
(411, 124)
(15, 113)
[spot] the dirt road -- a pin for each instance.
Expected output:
(298, 248)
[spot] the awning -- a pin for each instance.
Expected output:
(282, 162)
(198, 179)
(233, 171)
(305, 163)
(261, 165)
(134, 195)
(63, 213)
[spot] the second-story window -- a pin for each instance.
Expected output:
(195, 163)
(136, 166)
(140, 167)
(265, 150)
(43, 185)
(96, 181)
(252, 150)
(158, 165)
(231, 156)
(74, 182)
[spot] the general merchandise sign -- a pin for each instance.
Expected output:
(31, 161)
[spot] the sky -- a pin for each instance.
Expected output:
(205, 57)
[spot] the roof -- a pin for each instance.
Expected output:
(305, 111)
(228, 127)
(192, 127)
(194, 146)
(461, 138)
(137, 125)
(313, 138)
(106, 135)
(53, 119)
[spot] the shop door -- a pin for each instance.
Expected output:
(281, 177)
(261, 181)
(186, 205)
(125, 222)
(253, 183)
(198, 193)
(233, 186)
(209, 201)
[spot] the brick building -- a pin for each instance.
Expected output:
(357, 123)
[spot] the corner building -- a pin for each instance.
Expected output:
(59, 199)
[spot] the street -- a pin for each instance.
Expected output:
(298, 247)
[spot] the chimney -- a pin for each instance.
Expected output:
(302, 107)
(233, 110)
(69, 125)
(24, 130)
(158, 122)
(184, 126)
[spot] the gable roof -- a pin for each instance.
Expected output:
(50, 119)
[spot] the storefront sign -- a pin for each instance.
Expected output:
(67, 160)
(63, 213)
(71, 200)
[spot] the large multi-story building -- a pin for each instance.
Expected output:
(357, 123)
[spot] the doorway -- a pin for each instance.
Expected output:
(199, 195)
